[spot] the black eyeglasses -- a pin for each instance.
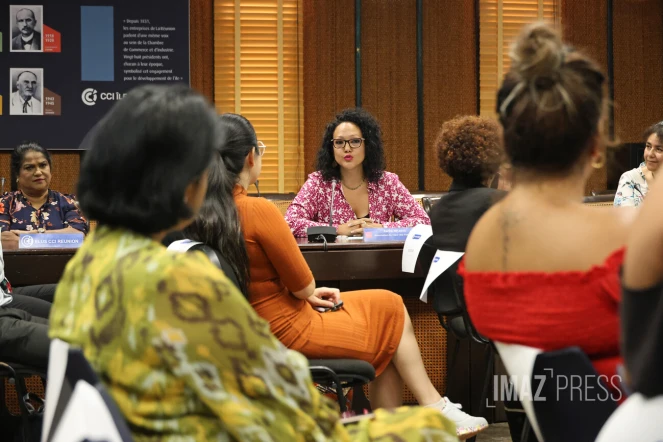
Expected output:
(339, 143)
(261, 148)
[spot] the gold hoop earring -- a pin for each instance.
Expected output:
(598, 164)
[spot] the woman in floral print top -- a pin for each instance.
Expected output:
(32, 206)
(351, 159)
(634, 184)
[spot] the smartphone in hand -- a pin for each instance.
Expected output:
(330, 309)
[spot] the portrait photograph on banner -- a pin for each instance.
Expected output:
(25, 22)
(26, 91)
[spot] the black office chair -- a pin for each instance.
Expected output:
(517, 420)
(569, 415)
(339, 374)
(447, 299)
(336, 374)
(428, 202)
(22, 396)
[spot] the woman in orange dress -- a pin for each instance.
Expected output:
(373, 325)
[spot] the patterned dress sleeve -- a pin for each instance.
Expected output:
(209, 336)
(5, 216)
(72, 215)
(407, 211)
(303, 211)
(280, 246)
(626, 192)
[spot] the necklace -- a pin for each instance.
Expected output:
(354, 188)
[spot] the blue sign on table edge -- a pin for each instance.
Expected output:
(379, 234)
(50, 240)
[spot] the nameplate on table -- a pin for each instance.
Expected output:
(385, 235)
(50, 240)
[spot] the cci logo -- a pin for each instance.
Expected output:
(437, 258)
(89, 96)
(27, 240)
(416, 236)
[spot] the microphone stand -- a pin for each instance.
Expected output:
(324, 233)
(331, 204)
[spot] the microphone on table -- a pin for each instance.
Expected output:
(324, 233)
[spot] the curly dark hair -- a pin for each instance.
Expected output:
(470, 148)
(373, 164)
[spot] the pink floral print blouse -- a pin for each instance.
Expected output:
(386, 198)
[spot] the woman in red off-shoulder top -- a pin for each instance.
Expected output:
(541, 268)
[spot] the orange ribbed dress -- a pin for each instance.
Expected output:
(368, 327)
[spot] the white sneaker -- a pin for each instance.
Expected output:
(466, 426)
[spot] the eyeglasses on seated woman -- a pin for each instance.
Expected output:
(351, 161)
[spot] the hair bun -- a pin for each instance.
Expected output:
(538, 55)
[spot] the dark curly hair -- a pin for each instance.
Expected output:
(373, 164)
(470, 149)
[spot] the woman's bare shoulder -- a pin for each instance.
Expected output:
(614, 217)
(485, 234)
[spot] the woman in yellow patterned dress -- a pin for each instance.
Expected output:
(177, 345)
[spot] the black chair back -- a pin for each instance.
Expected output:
(118, 418)
(447, 299)
(213, 255)
(427, 203)
(569, 414)
(63, 399)
(79, 369)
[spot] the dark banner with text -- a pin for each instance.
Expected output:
(64, 63)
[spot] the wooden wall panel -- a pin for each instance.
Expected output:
(389, 80)
(585, 27)
(329, 68)
(450, 69)
(201, 46)
(66, 166)
(638, 51)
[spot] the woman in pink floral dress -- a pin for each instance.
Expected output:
(351, 159)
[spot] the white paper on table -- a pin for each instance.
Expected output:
(441, 262)
(413, 243)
